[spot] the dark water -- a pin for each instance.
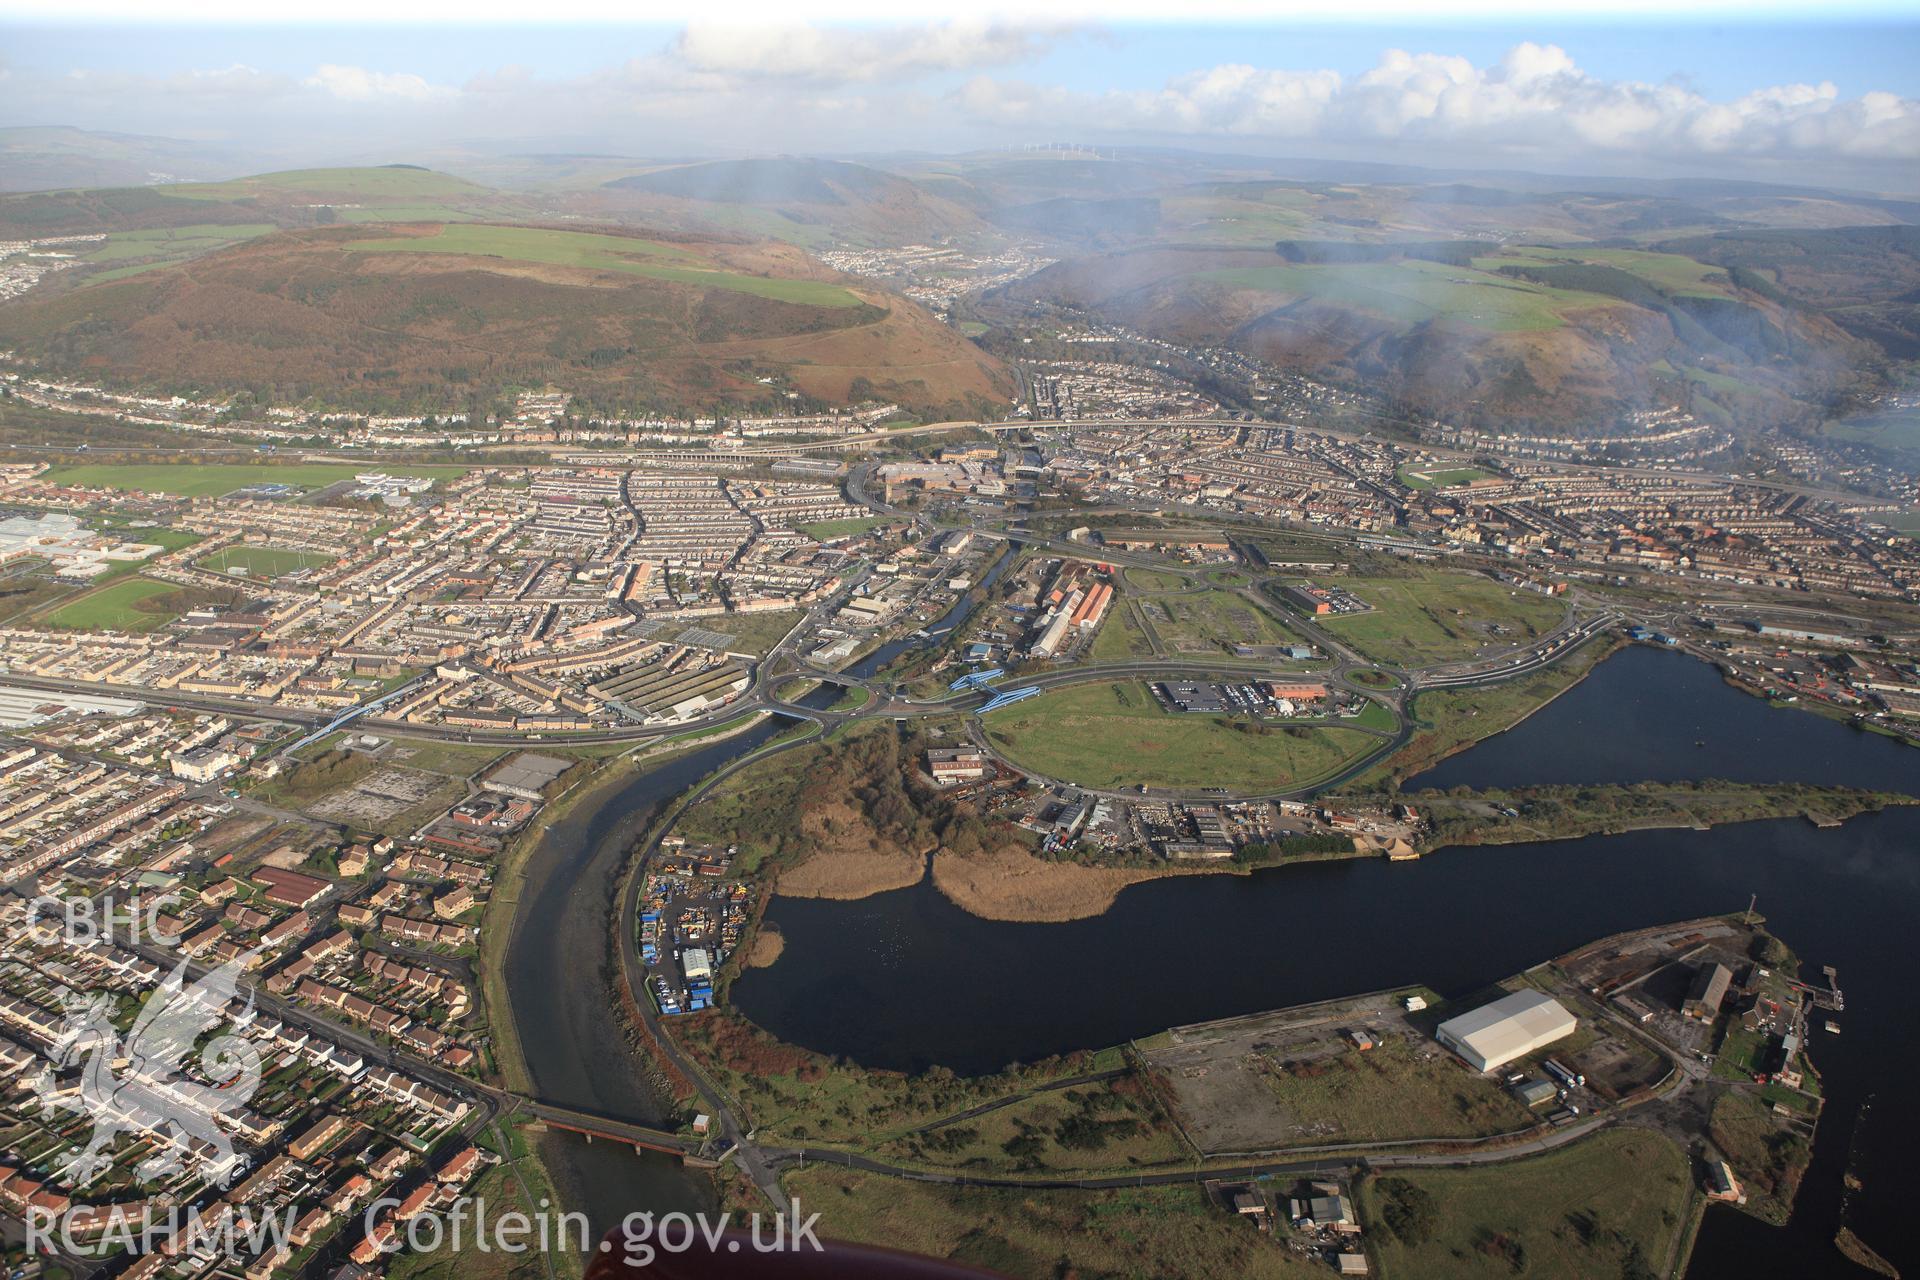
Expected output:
(906, 980)
(1657, 715)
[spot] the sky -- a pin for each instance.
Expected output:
(1823, 95)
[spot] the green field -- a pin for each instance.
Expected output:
(1440, 477)
(1613, 1204)
(1434, 616)
(117, 608)
(263, 562)
(1217, 218)
(1116, 735)
(1415, 291)
(1141, 1233)
(1120, 636)
(823, 530)
(211, 481)
(626, 254)
(1210, 623)
(1669, 272)
(1897, 431)
(1148, 580)
(1393, 1092)
(396, 182)
(167, 539)
(175, 242)
(131, 252)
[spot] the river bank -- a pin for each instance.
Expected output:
(1012, 884)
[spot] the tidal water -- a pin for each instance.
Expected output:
(906, 980)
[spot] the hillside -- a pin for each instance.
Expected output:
(1507, 335)
(43, 158)
(416, 315)
(806, 201)
(1867, 278)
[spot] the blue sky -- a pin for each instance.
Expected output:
(1800, 95)
(1723, 58)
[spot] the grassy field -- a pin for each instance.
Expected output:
(125, 253)
(1895, 432)
(1116, 735)
(1439, 477)
(1145, 1233)
(1435, 616)
(169, 539)
(1614, 1204)
(1669, 272)
(396, 182)
(1105, 1126)
(1417, 291)
(1120, 636)
(1391, 1092)
(188, 481)
(793, 1094)
(455, 759)
(132, 604)
(1211, 623)
(1149, 580)
(1375, 716)
(263, 562)
(822, 530)
(624, 254)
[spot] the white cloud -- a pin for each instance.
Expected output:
(1535, 101)
(358, 84)
(839, 54)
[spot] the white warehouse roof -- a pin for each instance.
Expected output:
(1511, 1027)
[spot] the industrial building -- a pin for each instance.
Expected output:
(1708, 992)
(1511, 1027)
(954, 765)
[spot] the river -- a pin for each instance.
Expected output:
(905, 979)
(573, 1041)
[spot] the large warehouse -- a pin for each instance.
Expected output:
(1511, 1027)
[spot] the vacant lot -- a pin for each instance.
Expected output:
(1120, 636)
(1609, 1205)
(132, 604)
(1433, 616)
(263, 562)
(753, 633)
(626, 254)
(212, 481)
(381, 799)
(1294, 1077)
(1117, 735)
(1210, 623)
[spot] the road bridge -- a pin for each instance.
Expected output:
(592, 1125)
